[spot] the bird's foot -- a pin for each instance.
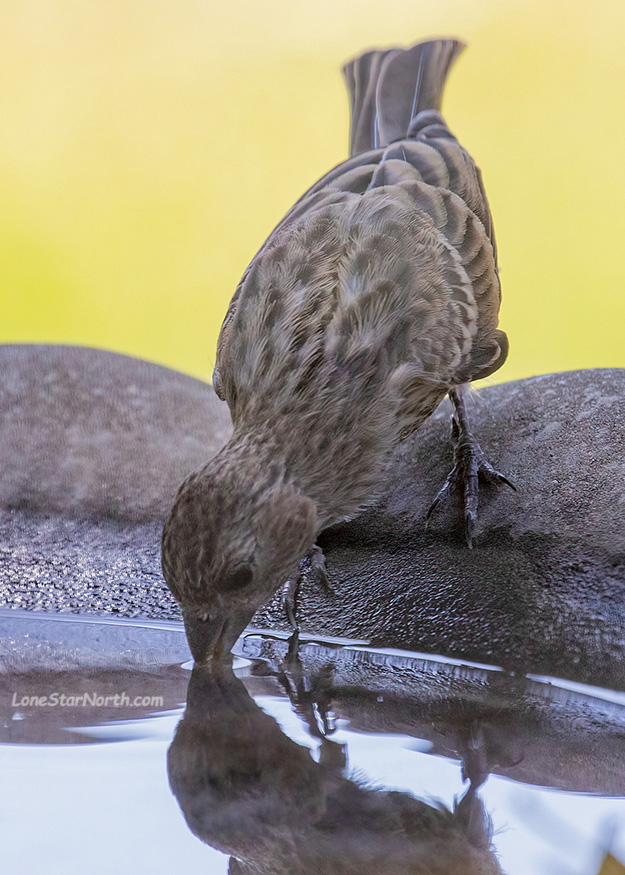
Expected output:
(310, 694)
(316, 562)
(470, 464)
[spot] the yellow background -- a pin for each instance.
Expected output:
(147, 147)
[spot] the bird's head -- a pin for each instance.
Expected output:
(230, 541)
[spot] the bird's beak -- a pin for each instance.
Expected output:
(212, 639)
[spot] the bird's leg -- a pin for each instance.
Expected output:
(311, 699)
(469, 465)
(290, 591)
(476, 765)
(316, 562)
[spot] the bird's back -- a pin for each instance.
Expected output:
(379, 290)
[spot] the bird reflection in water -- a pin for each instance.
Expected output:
(250, 791)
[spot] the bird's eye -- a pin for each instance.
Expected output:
(238, 578)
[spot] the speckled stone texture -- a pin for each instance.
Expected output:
(91, 433)
(89, 467)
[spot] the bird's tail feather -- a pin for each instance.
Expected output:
(389, 88)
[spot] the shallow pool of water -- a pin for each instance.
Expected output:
(334, 758)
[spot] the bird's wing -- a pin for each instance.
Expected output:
(395, 98)
(349, 294)
(443, 182)
(438, 180)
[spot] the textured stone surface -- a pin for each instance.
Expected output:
(51, 562)
(89, 432)
(543, 590)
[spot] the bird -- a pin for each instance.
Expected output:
(376, 296)
(247, 789)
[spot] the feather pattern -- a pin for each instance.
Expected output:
(375, 295)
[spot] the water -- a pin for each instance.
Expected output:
(333, 759)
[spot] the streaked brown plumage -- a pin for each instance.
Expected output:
(376, 295)
(247, 789)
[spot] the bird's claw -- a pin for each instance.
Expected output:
(444, 492)
(470, 465)
(316, 562)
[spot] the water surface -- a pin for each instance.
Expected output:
(333, 758)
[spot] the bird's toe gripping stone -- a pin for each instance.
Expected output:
(469, 465)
